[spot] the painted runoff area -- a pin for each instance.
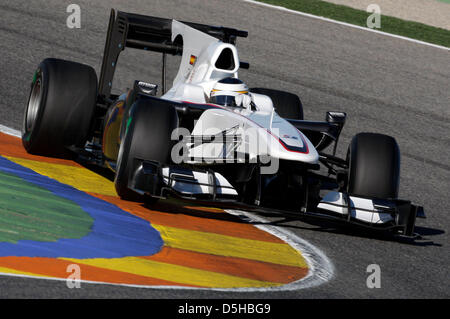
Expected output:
(55, 213)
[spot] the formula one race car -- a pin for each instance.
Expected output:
(210, 138)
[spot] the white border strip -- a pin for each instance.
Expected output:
(10, 131)
(320, 271)
(263, 4)
(320, 267)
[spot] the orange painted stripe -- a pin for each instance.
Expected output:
(230, 265)
(57, 268)
(172, 215)
(206, 209)
(12, 146)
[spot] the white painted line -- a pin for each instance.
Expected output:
(10, 131)
(320, 267)
(345, 24)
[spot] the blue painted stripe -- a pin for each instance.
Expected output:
(115, 233)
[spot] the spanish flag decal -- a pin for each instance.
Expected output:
(192, 59)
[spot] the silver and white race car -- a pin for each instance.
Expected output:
(210, 138)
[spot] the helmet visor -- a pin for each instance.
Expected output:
(225, 100)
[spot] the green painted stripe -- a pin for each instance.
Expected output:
(30, 212)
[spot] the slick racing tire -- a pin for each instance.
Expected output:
(60, 107)
(286, 104)
(374, 166)
(148, 129)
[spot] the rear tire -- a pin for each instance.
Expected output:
(60, 107)
(374, 166)
(286, 104)
(147, 136)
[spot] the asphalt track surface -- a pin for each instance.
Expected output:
(384, 84)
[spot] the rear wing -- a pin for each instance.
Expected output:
(148, 33)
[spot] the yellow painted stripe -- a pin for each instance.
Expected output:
(78, 177)
(170, 272)
(222, 245)
(17, 272)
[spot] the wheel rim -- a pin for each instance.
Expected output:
(33, 104)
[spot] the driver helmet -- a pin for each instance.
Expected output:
(228, 92)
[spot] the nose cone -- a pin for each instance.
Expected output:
(294, 147)
(291, 144)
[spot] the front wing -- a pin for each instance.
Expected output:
(156, 180)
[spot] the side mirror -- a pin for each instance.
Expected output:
(145, 88)
(336, 118)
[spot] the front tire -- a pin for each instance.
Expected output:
(147, 136)
(60, 107)
(374, 166)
